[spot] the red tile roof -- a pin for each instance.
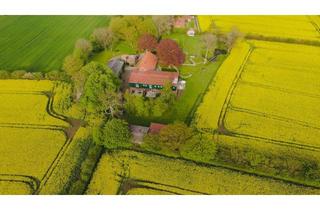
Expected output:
(148, 62)
(153, 77)
(155, 128)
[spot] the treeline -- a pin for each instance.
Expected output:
(297, 164)
(54, 75)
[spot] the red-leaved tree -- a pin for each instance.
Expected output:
(147, 42)
(169, 53)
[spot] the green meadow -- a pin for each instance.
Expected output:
(40, 43)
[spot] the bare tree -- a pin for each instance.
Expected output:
(103, 37)
(210, 42)
(163, 23)
(83, 48)
(232, 37)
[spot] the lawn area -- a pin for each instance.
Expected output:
(40, 43)
(198, 78)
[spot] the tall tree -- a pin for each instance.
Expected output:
(163, 23)
(114, 133)
(200, 147)
(100, 80)
(130, 28)
(232, 37)
(111, 104)
(147, 42)
(83, 48)
(169, 53)
(102, 38)
(210, 42)
(173, 136)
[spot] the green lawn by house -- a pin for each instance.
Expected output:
(40, 43)
(198, 78)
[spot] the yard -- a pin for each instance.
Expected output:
(198, 77)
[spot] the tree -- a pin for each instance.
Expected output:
(111, 104)
(147, 42)
(82, 49)
(100, 80)
(170, 53)
(114, 133)
(210, 42)
(200, 147)
(214, 29)
(163, 23)
(173, 136)
(72, 64)
(130, 28)
(231, 38)
(102, 38)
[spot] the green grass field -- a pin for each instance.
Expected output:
(40, 43)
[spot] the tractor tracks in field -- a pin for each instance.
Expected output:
(31, 181)
(69, 133)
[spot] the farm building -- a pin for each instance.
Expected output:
(155, 128)
(147, 80)
(181, 21)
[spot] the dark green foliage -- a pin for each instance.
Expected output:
(200, 147)
(112, 134)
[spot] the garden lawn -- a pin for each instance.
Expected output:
(40, 43)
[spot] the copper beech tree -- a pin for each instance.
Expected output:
(169, 53)
(147, 42)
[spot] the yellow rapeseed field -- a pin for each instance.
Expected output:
(172, 176)
(275, 98)
(14, 188)
(30, 138)
(295, 27)
(214, 99)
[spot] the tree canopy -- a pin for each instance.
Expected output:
(170, 53)
(147, 42)
(112, 134)
(130, 28)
